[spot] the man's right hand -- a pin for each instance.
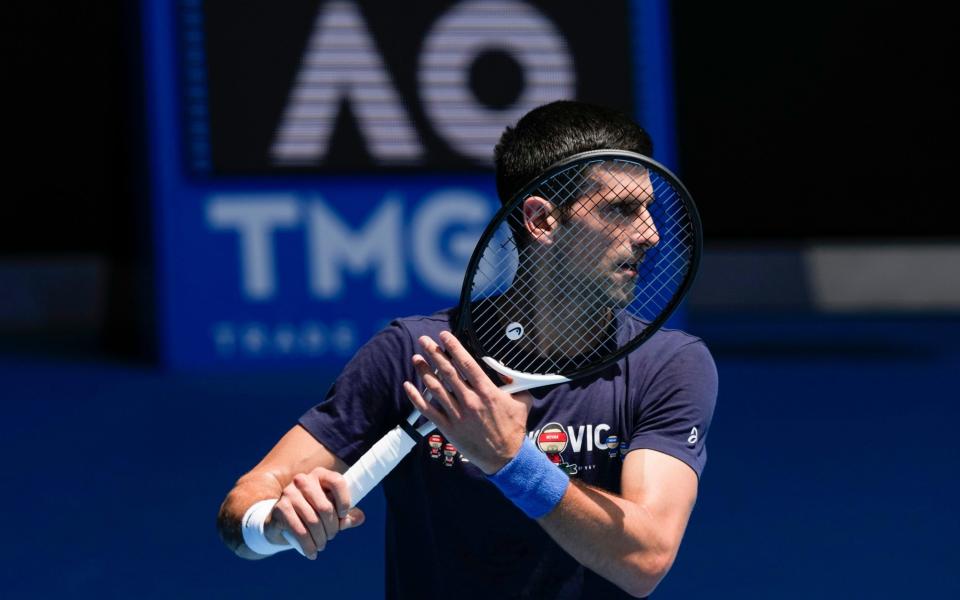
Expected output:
(313, 508)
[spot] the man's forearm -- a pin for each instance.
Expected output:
(251, 488)
(614, 537)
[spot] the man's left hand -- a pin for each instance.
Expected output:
(486, 425)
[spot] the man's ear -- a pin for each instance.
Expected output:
(539, 219)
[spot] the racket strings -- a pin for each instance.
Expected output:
(558, 283)
(576, 335)
(616, 237)
(590, 336)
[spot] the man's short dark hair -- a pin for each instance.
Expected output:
(554, 131)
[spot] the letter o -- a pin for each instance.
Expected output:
(455, 41)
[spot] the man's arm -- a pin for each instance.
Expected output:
(313, 496)
(303, 472)
(631, 539)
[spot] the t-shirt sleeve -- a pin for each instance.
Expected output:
(677, 407)
(367, 398)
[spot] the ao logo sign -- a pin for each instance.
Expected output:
(341, 63)
(443, 229)
(432, 235)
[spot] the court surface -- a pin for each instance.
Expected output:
(832, 472)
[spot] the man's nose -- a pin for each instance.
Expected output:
(644, 232)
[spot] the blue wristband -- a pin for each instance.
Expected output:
(531, 481)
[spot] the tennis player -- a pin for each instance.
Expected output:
(577, 490)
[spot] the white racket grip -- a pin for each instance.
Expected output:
(369, 470)
(377, 462)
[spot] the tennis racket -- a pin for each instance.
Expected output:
(573, 273)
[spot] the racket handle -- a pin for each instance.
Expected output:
(377, 463)
(370, 469)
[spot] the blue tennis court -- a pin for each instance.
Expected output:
(832, 472)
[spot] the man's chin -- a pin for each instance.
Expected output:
(624, 288)
(621, 295)
(610, 291)
(623, 301)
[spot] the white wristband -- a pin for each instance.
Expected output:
(252, 528)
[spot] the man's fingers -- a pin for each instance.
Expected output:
(462, 360)
(289, 520)
(326, 513)
(436, 388)
(354, 518)
(337, 490)
(309, 517)
(310, 510)
(437, 417)
(446, 371)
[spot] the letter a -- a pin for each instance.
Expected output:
(341, 62)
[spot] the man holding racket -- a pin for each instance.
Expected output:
(581, 486)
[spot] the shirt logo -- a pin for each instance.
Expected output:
(612, 446)
(436, 444)
(449, 454)
(552, 440)
(694, 436)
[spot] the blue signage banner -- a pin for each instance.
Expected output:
(308, 185)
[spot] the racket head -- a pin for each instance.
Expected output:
(584, 264)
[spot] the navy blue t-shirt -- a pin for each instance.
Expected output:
(450, 532)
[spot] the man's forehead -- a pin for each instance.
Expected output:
(616, 180)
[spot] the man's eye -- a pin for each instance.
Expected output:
(625, 209)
